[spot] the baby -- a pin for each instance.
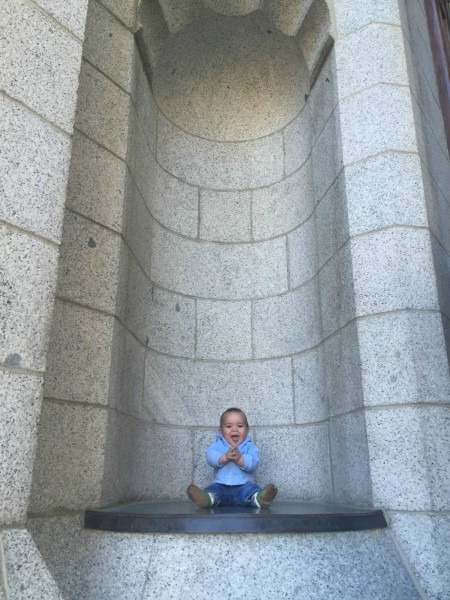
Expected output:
(234, 457)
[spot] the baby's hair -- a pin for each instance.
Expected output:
(233, 410)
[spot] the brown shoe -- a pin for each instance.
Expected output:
(266, 496)
(199, 496)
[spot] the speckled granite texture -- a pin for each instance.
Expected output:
(95, 565)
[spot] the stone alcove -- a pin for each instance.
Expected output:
(214, 271)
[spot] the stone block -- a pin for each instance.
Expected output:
(92, 564)
(327, 156)
(348, 19)
(368, 564)
(109, 45)
(337, 301)
(323, 97)
(393, 269)
(288, 15)
(204, 474)
(284, 206)
(146, 109)
(40, 63)
(26, 572)
(310, 398)
(349, 457)
(27, 281)
(127, 372)
(123, 10)
(225, 216)
(432, 153)
(442, 274)
(68, 470)
(79, 358)
(331, 219)
(342, 370)
(374, 54)
(195, 393)
(287, 324)
(81, 561)
(224, 330)
(138, 227)
(142, 161)
(423, 539)
(374, 198)
(169, 322)
(298, 140)
(403, 359)
(164, 456)
(297, 461)
(302, 252)
(71, 14)
(219, 165)
(173, 203)
(102, 110)
(314, 36)
(121, 470)
(89, 263)
(34, 160)
(20, 402)
(178, 15)
(96, 183)
(222, 271)
(370, 122)
(413, 441)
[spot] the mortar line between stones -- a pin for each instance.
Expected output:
(294, 411)
(31, 234)
(252, 329)
(42, 118)
(430, 125)
(110, 79)
(195, 327)
(4, 368)
(129, 28)
(56, 21)
(3, 571)
(260, 359)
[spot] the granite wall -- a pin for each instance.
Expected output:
(281, 246)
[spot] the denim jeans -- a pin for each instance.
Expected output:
(233, 495)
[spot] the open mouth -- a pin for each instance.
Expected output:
(235, 438)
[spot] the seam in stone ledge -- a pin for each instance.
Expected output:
(407, 565)
(342, 36)
(110, 79)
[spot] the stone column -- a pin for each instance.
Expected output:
(396, 177)
(39, 71)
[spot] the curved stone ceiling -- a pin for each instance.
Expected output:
(230, 78)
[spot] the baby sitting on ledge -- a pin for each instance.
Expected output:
(234, 457)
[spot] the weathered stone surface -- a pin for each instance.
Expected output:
(225, 216)
(184, 392)
(224, 330)
(27, 276)
(31, 69)
(213, 270)
(70, 14)
(230, 79)
(27, 574)
(20, 403)
(220, 165)
(34, 161)
(68, 469)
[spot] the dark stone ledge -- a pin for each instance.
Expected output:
(185, 517)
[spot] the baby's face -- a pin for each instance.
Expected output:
(234, 428)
